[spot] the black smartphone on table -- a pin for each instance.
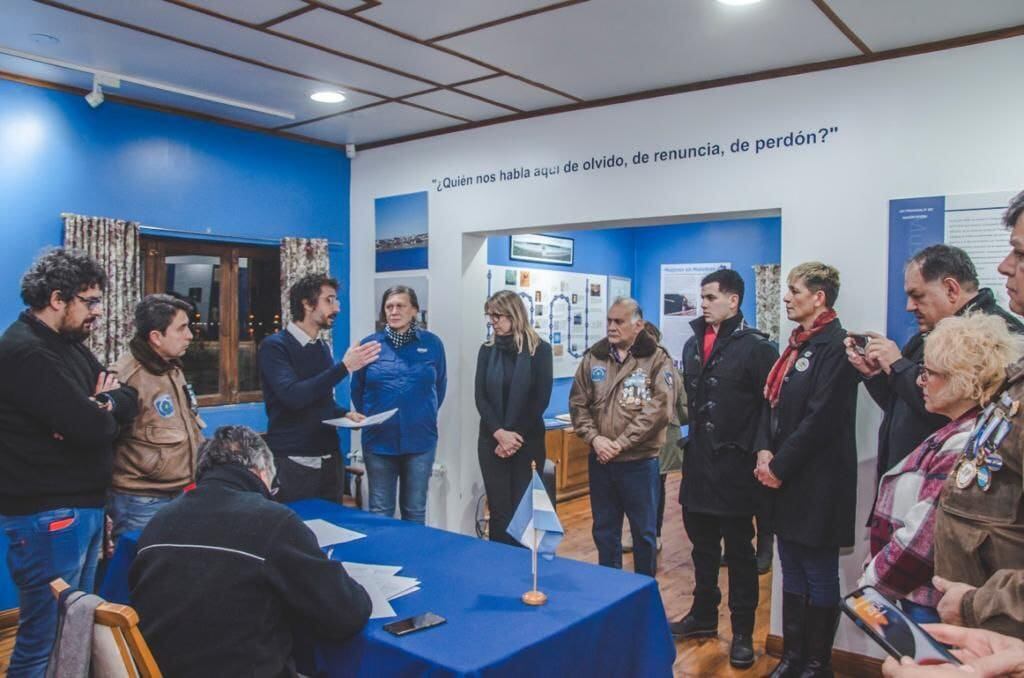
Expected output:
(891, 628)
(418, 623)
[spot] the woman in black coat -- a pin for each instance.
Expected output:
(513, 387)
(812, 464)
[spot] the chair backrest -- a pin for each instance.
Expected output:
(119, 650)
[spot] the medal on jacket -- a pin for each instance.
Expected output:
(635, 390)
(980, 458)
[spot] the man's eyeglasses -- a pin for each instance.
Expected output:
(90, 302)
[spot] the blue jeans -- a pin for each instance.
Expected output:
(810, 572)
(129, 512)
(411, 472)
(627, 488)
(922, 614)
(43, 548)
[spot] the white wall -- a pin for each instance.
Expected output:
(936, 124)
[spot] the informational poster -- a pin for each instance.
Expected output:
(566, 309)
(619, 287)
(972, 222)
(680, 303)
(416, 280)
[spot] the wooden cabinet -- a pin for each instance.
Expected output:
(569, 453)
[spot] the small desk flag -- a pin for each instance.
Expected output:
(535, 523)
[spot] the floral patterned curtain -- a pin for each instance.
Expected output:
(767, 279)
(114, 243)
(299, 257)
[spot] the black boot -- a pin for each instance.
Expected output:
(741, 652)
(794, 607)
(820, 630)
(691, 626)
(765, 553)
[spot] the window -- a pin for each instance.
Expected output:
(236, 290)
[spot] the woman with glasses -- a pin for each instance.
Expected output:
(964, 361)
(513, 387)
(410, 375)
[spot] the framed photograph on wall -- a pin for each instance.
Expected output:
(544, 249)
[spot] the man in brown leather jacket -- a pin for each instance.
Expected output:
(621, 403)
(979, 528)
(155, 458)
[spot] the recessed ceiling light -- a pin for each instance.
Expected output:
(737, 3)
(44, 39)
(327, 97)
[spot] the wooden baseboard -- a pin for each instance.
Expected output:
(843, 662)
(8, 618)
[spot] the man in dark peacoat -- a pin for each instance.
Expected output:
(725, 364)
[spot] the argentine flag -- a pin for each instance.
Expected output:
(535, 522)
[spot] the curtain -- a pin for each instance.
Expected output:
(300, 257)
(114, 243)
(767, 279)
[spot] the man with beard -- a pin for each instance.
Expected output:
(60, 412)
(298, 375)
(155, 458)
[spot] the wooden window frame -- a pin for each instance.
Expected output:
(156, 251)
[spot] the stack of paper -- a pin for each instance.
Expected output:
(383, 584)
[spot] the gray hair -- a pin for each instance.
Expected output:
(631, 304)
(1014, 211)
(238, 445)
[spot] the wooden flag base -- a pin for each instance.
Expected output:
(534, 598)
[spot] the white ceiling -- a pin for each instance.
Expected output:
(410, 67)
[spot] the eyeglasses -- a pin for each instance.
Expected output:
(90, 302)
(495, 317)
(924, 374)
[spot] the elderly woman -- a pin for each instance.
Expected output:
(812, 464)
(964, 359)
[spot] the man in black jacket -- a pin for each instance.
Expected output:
(725, 365)
(60, 412)
(225, 576)
(940, 281)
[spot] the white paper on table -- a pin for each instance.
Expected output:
(395, 587)
(372, 420)
(329, 533)
(381, 608)
(365, 568)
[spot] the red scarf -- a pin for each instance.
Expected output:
(782, 367)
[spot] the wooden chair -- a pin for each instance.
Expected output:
(118, 646)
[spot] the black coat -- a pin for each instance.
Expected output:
(815, 445)
(725, 395)
(46, 388)
(523, 413)
(225, 576)
(906, 422)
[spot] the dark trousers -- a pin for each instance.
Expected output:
(627, 488)
(295, 481)
(661, 504)
(810, 572)
(707, 532)
(505, 481)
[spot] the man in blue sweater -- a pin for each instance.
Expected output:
(298, 374)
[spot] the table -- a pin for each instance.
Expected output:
(597, 622)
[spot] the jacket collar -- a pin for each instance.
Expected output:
(233, 477)
(150, 360)
(44, 331)
(984, 300)
(643, 347)
(726, 329)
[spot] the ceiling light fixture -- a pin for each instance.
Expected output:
(108, 79)
(327, 97)
(739, 3)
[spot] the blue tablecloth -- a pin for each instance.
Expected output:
(597, 622)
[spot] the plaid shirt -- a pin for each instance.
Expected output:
(903, 520)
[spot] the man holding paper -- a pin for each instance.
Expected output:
(224, 577)
(298, 375)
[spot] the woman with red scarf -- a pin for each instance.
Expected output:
(812, 465)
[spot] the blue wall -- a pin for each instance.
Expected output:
(607, 252)
(59, 155)
(638, 253)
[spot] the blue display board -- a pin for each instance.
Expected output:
(914, 223)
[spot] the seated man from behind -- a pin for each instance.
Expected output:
(224, 575)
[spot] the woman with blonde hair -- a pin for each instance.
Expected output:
(513, 387)
(964, 365)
